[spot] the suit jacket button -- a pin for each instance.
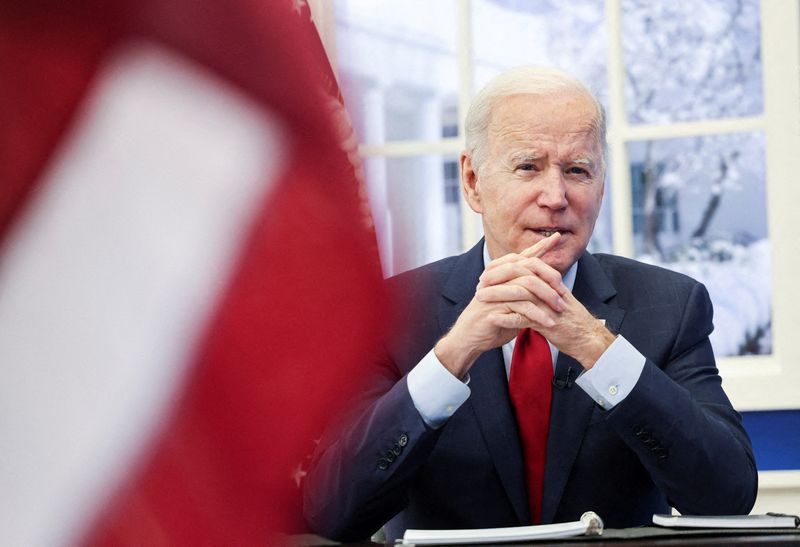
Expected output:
(396, 449)
(403, 440)
(383, 465)
(638, 430)
(390, 457)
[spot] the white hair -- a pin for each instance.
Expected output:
(526, 80)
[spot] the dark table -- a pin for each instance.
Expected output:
(628, 537)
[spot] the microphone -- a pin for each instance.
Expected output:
(562, 383)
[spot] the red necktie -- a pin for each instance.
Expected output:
(530, 388)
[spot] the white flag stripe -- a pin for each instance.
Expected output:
(109, 278)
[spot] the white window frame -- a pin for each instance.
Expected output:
(752, 382)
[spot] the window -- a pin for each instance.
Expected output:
(690, 192)
(703, 104)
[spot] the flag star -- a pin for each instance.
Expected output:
(298, 5)
(298, 473)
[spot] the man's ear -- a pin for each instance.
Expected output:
(469, 183)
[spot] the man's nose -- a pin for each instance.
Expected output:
(552, 190)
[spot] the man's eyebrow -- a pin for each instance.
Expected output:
(517, 157)
(584, 161)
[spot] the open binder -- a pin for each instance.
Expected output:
(590, 524)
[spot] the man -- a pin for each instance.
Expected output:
(635, 419)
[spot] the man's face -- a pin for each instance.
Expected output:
(543, 172)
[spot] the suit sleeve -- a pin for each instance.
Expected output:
(682, 426)
(361, 470)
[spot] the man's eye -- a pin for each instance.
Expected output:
(526, 167)
(578, 171)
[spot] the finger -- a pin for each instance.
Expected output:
(542, 246)
(530, 288)
(536, 250)
(506, 320)
(542, 291)
(503, 273)
(537, 316)
(503, 293)
(523, 314)
(544, 271)
(510, 257)
(511, 271)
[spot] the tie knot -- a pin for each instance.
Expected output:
(530, 340)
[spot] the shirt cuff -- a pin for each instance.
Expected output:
(614, 375)
(435, 392)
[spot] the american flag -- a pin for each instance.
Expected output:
(187, 271)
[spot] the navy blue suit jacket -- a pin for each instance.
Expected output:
(675, 440)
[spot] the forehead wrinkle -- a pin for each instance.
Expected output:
(523, 134)
(583, 150)
(511, 121)
(515, 138)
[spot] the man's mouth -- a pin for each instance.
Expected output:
(547, 232)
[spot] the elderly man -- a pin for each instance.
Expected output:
(535, 381)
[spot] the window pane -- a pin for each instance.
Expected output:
(397, 67)
(566, 35)
(699, 207)
(691, 61)
(416, 208)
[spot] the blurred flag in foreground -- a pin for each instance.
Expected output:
(187, 274)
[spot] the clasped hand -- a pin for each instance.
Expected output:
(519, 291)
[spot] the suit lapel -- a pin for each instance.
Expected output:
(571, 407)
(489, 387)
(491, 404)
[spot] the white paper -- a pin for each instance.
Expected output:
(726, 521)
(590, 524)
